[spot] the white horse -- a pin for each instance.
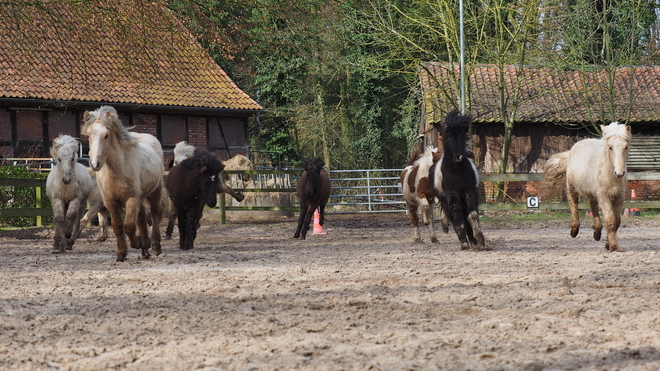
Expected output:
(595, 169)
(68, 186)
(129, 170)
(96, 207)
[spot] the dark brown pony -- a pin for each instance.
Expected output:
(313, 191)
(191, 185)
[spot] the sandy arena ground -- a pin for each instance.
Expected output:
(249, 297)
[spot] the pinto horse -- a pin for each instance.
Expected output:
(313, 191)
(129, 170)
(457, 182)
(418, 191)
(595, 169)
(68, 186)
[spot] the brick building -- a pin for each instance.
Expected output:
(133, 55)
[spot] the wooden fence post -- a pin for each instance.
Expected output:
(38, 194)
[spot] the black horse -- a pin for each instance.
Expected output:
(459, 189)
(313, 191)
(192, 184)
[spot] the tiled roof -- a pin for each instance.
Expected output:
(568, 97)
(116, 51)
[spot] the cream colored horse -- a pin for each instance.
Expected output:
(595, 169)
(129, 170)
(68, 186)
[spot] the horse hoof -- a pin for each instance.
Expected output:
(168, 236)
(445, 229)
(302, 238)
(574, 232)
(434, 240)
(145, 254)
(121, 259)
(597, 235)
(157, 251)
(418, 240)
(465, 246)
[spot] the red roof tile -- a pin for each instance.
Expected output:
(546, 95)
(118, 51)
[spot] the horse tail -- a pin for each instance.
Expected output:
(554, 176)
(416, 153)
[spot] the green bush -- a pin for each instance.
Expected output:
(17, 197)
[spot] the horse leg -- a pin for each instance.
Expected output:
(115, 209)
(456, 210)
(76, 210)
(598, 224)
(414, 220)
(102, 215)
(321, 214)
(572, 197)
(301, 217)
(223, 188)
(444, 220)
(93, 209)
(58, 225)
(181, 219)
(136, 219)
(308, 219)
(475, 233)
(171, 217)
(612, 213)
(191, 227)
(428, 214)
(156, 217)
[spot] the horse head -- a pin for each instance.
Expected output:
(209, 168)
(616, 137)
(312, 167)
(455, 130)
(105, 131)
(65, 153)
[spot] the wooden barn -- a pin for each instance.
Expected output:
(136, 56)
(554, 109)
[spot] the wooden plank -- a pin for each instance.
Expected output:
(26, 211)
(262, 208)
(19, 182)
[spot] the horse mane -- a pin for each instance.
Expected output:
(64, 141)
(204, 160)
(455, 119)
(108, 116)
(313, 164)
(616, 129)
(183, 151)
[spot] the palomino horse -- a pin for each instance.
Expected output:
(595, 169)
(183, 151)
(313, 191)
(129, 170)
(458, 188)
(68, 186)
(418, 191)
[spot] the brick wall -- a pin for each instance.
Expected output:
(145, 124)
(197, 131)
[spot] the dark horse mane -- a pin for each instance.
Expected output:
(455, 121)
(204, 160)
(314, 164)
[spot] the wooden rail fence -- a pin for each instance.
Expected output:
(39, 185)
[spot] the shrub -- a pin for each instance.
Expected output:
(17, 197)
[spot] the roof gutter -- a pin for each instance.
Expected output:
(29, 103)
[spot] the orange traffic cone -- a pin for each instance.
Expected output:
(634, 211)
(318, 229)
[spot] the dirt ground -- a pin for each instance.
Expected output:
(249, 297)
